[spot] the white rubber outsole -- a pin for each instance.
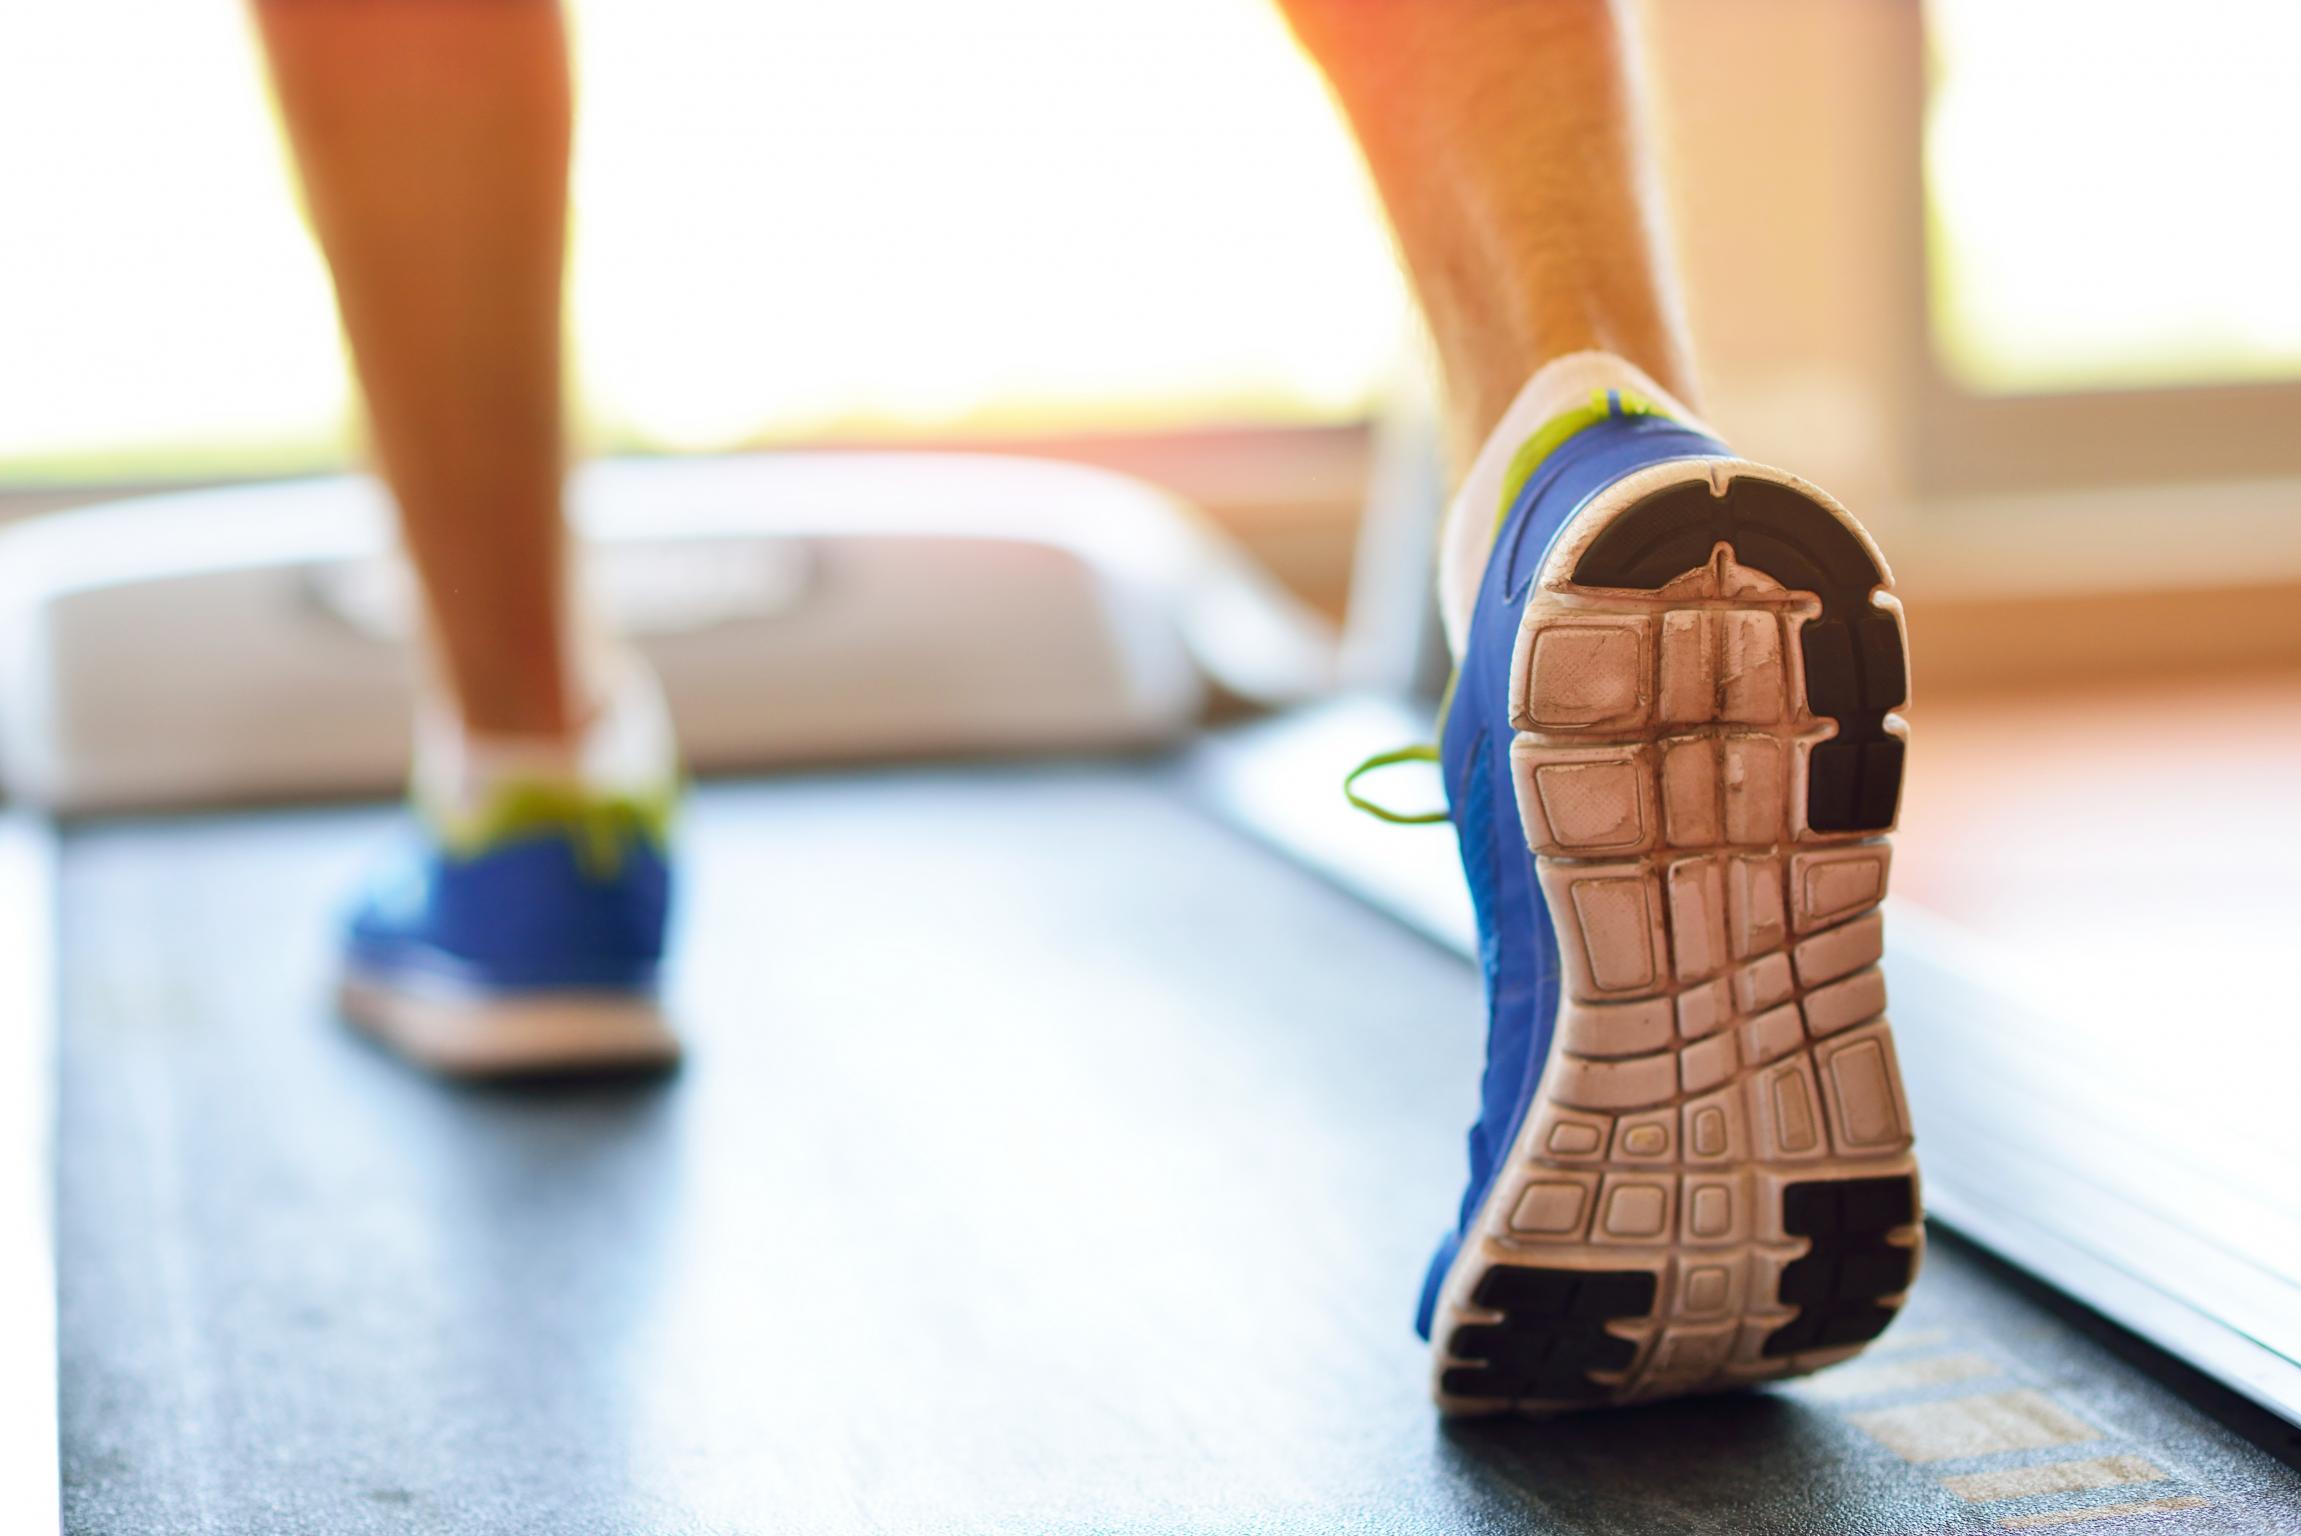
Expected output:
(465, 1036)
(1714, 1184)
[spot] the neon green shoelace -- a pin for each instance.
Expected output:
(1420, 752)
(598, 826)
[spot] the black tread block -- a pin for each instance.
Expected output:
(1471, 1381)
(1481, 1341)
(1833, 677)
(1810, 1208)
(1856, 670)
(1801, 1332)
(1881, 784)
(1552, 1333)
(1855, 1325)
(1821, 1206)
(1561, 1386)
(1508, 1288)
(1838, 1284)
(1885, 669)
(1808, 1280)
(1881, 1270)
(1853, 786)
(1834, 786)
(1624, 1293)
(1876, 1205)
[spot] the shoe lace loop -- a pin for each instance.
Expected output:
(1420, 752)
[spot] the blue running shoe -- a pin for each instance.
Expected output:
(1671, 758)
(527, 941)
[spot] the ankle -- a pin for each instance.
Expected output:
(1558, 389)
(620, 745)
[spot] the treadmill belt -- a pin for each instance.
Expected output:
(1048, 1158)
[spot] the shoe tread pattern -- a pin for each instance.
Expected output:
(1714, 1184)
(1854, 659)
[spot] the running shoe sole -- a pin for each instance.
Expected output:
(477, 1035)
(1714, 1185)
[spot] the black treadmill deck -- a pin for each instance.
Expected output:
(1049, 1158)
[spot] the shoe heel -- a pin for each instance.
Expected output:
(1706, 760)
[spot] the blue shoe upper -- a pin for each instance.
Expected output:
(1517, 948)
(546, 909)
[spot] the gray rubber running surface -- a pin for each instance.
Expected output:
(1049, 1159)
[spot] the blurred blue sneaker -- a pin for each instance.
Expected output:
(524, 939)
(1671, 757)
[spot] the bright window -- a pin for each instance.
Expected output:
(791, 220)
(2113, 192)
